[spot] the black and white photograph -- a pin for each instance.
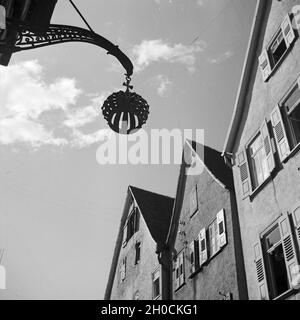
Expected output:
(149, 150)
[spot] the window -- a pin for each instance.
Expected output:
(137, 252)
(275, 259)
(258, 161)
(132, 225)
(275, 263)
(217, 234)
(123, 270)
(285, 120)
(156, 284)
(277, 48)
(279, 45)
(193, 201)
(179, 273)
(292, 109)
(194, 256)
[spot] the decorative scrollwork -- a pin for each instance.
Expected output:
(29, 37)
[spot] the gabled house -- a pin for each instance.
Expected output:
(204, 233)
(140, 266)
(262, 147)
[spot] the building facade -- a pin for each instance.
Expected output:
(139, 269)
(204, 233)
(263, 146)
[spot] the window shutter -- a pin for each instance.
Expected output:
(296, 220)
(267, 145)
(181, 268)
(264, 63)
(2, 17)
(176, 273)
(222, 240)
(288, 31)
(192, 256)
(280, 133)
(125, 236)
(244, 173)
(202, 247)
(260, 271)
(288, 246)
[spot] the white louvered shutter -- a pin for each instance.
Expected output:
(296, 220)
(244, 174)
(288, 31)
(268, 146)
(288, 246)
(222, 239)
(280, 133)
(192, 256)
(265, 65)
(260, 272)
(202, 247)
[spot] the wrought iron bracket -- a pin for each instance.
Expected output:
(31, 37)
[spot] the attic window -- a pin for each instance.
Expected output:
(132, 225)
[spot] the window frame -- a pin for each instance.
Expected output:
(251, 162)
(157, 297)
(194, 192)
(180, 285)
(138, 248)
(267, 49)
(273, 65)
(285, 116)
(268, 271)
(290, 248)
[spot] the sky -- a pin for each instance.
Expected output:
(59, 208)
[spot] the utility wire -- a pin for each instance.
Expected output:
(81, 16)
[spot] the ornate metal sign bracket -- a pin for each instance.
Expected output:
(31, 37)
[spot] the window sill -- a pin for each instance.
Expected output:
(194, 214)
(279, 62)
(286, 294)
(260, 187)
(180, 287)
(293, 152)
(193, 274)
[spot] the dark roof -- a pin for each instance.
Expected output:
(157, 212)
(215, 163)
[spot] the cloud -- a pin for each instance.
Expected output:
(223, 57)
(20, 129)
(81, 140)
(27, 103)
(150, 51)
(24, 96)
(79, 118)
(164, 84)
